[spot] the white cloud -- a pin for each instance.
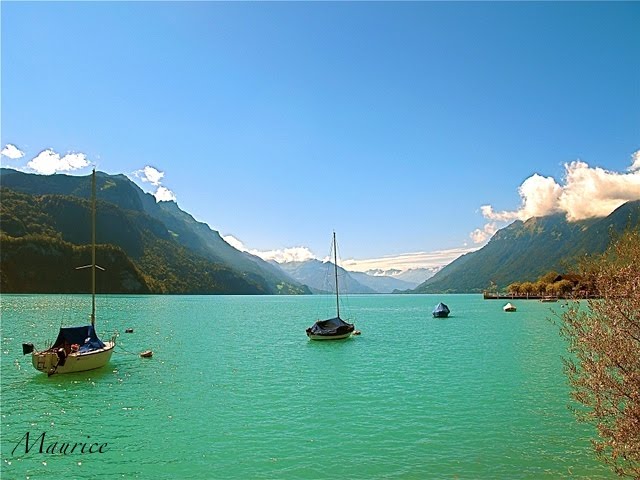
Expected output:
(635, 161)
(12, 152)
(285, 255)
(484, 234)
(404, 262)
(595, 192)
(150, 175)
(586, 192)
(49, 162)
(407, 261)
(163, 194)
(540, 196)
(235, 243)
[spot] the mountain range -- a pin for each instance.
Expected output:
(155, 247)
(412, 275)
(524, 251)
(46, 219)
(319, 277)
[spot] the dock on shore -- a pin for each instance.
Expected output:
(508, 296)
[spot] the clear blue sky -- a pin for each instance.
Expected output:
(392, 123)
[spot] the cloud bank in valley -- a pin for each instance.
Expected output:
(153, 176)
(408, 261)
(403, 262)
(285, 255)
(585, 192)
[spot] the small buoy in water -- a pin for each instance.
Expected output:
(129, 330)
(357, 332)
(146, 354)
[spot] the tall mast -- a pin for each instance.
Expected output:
(93, 248)
(335, 264)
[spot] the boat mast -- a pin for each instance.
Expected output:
(93, 248)
(335, 264)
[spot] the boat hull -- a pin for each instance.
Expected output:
(329, 337)
(47, 360)
(441, 311)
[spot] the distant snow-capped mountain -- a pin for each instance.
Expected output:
(413, 275)
(382, 283)
(318, 276)
(313, 273)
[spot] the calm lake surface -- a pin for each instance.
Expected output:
(235, 390)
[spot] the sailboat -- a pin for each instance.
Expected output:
(332, 328)
(77, 349)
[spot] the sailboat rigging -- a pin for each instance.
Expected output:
(332, 328)
(77, 349)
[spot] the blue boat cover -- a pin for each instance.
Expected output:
(85, 336)
(332, 326)
(441, 310)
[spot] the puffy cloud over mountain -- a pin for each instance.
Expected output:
(585, 192)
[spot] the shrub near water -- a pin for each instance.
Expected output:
(604, 371)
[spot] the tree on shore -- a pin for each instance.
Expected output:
(549, 285)
(527, 288)
(563, 287)
(604, 344)
(514, 288)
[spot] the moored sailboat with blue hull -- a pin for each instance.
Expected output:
(87, 352)
(77, 349)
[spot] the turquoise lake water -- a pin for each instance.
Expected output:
(236, 390)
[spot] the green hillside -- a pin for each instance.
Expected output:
(44, 237)
(173, 252)
(524, 251)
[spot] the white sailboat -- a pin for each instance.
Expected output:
(77, 349)
(332, 328)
